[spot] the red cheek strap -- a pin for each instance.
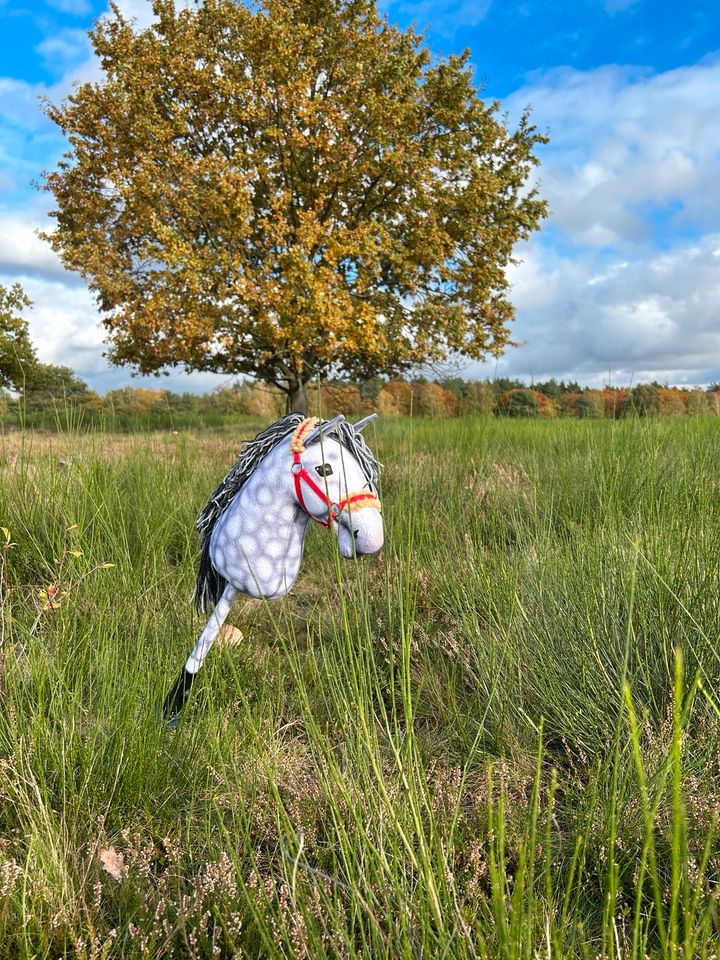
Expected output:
(359, 500)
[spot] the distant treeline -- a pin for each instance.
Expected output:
(449, 397)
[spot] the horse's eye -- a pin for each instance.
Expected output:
(324, 469)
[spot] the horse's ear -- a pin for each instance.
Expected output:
(323, 429)
(361, 424)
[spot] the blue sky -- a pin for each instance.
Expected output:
(624, 279)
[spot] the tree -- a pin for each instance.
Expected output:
(431, 400)
(479, 398)
(292, 189)
(17, 355)
(614, 399)
(249, 399)
(47, 385)
(672, 401)
(395, 398)
(329, 399)
(643, 400)
(505, 384)
(551, 388)
(524, 402)
(588, 404)
(698, 403)
(519, 402)
(135, 401)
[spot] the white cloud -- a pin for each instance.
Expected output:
(66, 47)
(64, 321)
(626, 276)
(64, 324)
(141, 10)
(65, 329)
(19, 104)
(22, 251)
(654, 316)
(626, 144)
(138, 10)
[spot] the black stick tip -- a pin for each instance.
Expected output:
(179, 692)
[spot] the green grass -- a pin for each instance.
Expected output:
(499, 739)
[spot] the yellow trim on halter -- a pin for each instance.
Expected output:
(296, 440)
(361, 504)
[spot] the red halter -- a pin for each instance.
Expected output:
(300, 474)
(364, 498)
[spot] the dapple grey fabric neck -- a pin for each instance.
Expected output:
(209, 584)
(252, 454)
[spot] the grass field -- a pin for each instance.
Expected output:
(500, 738)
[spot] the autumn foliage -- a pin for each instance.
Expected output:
(293, 190)
(50, 388)
(525, 402)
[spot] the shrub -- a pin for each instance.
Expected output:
(642, 401)
(587, 405)
(673, 402)
(697, 403)
(395, 398)
(713, 401)
(590, 404)
(430, 400)
(479, 398)
(49, 386)
(337, 398)
(138, 401)
(251, 399)
(614, 398)
(519, 403)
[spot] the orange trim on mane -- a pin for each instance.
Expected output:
(296, 440)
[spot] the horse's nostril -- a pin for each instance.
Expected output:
(355, 533)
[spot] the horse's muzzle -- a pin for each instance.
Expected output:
(361, 533)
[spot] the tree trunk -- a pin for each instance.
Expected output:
(298, 399)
